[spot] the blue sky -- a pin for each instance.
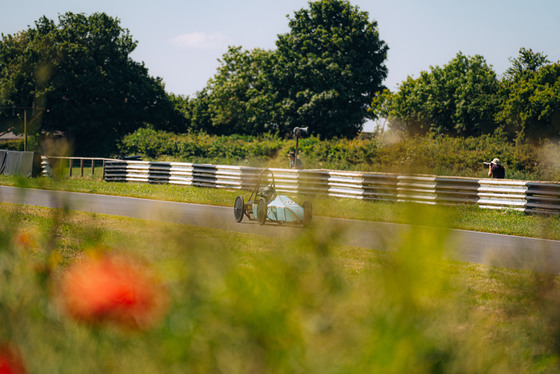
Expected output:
(181, 40)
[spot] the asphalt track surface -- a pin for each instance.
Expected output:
(466, 246)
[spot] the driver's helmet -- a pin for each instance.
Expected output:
(268, 192)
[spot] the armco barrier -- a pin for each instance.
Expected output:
(535, 197)
(543, 197)
(494, 194)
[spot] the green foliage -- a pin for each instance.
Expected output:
(79, 78)
(155, 144)
(526, 63)
(197, 111)
(465, 98)
(429, 154)
(323, 75)
(240, 303)
(76, 78)
(241, 97)
(532, 103)
(12, 145)
(331, 64)
(459, 99)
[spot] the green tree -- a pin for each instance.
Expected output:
(461, 98)
(197, 112)
(532, 104)
(531, 97)
(79, 75)
(330, 65)
(527, 62)
(241, 97)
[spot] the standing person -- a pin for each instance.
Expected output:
(295, 162)
(495, 170)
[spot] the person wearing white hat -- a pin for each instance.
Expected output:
(495, 170)
(295, 162)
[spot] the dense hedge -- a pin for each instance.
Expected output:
(12, 145)
(154, 144)
(442, 155)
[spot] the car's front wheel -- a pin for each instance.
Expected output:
(261, 211)
(238, 209)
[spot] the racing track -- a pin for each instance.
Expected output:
(467, 246)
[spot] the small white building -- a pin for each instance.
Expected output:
(10, 136)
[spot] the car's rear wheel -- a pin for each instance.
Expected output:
(261, 211)
(238, 208)
(307, 213)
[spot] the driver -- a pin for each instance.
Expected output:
(268, 192)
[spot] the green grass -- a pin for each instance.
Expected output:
(459, 217)
(242, 303)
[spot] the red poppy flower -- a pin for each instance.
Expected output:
(23, 240)
(112, 288)
(10, 361)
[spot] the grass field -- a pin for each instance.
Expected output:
(226, 302)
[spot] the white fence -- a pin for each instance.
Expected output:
(533, 197)
(48, 162)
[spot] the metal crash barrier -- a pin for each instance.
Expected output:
(525, 196)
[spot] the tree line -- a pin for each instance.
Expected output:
(323, 75)
(466, 98)
(75, 78)
(78, 77)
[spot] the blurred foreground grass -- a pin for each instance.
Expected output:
(238, 303)
(459, 217)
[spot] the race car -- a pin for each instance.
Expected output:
(266, 205)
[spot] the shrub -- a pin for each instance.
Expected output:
(429, 154)
(12, 145)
